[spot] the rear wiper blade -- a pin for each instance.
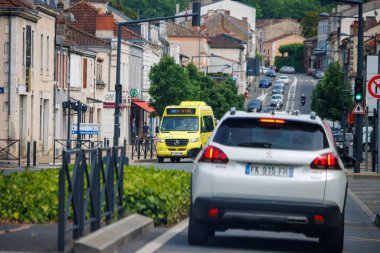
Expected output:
(256, 144)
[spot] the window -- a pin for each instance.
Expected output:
(47, 53)
(208, 123)
(6, 67)
(42, 53)
(6, 47)
(23, 47)
(32, 49)
(99, 71)
(58, 71)
(6, 29)
(84, 73)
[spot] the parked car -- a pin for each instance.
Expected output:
(344, 143)
(287, 70)
(294, 182)
(279, 83)
(255, 105)
(319, 74)
(271, 73)
(264, 83)
(264, 70)
(284, 79)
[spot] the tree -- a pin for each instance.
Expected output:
(170, 84)
(327, 96)
(309, 24)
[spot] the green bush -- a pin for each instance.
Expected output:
(32, 197)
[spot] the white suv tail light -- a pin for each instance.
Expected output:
(214, 155)
(326, 161)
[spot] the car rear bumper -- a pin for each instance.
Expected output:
(267, 214)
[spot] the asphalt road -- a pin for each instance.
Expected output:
(361, 235)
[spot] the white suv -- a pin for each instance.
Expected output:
(270, 171)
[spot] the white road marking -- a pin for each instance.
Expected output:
(164, 238)
(291, 95)
(363, 206)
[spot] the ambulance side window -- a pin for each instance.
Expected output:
(207, 123)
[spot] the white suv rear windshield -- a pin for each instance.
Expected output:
(290, 135)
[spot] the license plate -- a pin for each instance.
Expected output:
(269, 170)
(176, 153)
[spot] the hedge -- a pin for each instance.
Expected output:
(32, 197)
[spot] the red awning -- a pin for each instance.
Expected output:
(143, 105)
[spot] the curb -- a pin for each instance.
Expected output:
(110, 238)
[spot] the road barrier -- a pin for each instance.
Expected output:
(10, 150)
(143, 147)
(90, 191)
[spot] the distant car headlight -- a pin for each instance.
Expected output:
(194, 140)
(160, 140)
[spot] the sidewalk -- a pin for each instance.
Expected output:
(47, 162)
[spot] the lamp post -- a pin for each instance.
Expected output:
(118, 87)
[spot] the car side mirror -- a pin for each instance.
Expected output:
(349, 162)
(192, 153)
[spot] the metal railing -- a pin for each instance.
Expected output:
(90, 191)
(10, 150)
(61, 145)
(145, 147)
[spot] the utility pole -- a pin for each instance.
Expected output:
(118, 87)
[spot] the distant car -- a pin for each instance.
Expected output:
(287, 70)
(264, 70)
(319, 74)
(271, 73)
(254, 105)
(284, 79)
(277, 90)
(278, 83)
(268, 109)
(277, 100)
(264, 83)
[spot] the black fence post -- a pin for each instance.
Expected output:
(28, 154)
(96, 190)
(138, 148)
(34, 153)
(145, 148)
(19, 153)
(151, 148)
(61, 204)
(126, 159)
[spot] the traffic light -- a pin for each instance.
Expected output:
(358, 94)
(196, 20)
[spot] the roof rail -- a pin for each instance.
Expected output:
(313, 115)
(232, 110)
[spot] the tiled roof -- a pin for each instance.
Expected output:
(176, 30)
(261, 23)
(85, 16)
(220, 23)
(85, 20)
(82, 38)
(225, 41)
(93, 1)
(27, 4)
(280, 38)
(126, 33)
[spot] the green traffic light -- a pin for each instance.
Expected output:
(358, 97)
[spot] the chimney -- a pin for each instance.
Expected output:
(370, 22)
(245, 19)
(176, 8)
(227, 12)
(60, 6)
(104, 25)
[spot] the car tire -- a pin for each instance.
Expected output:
(199, 231)
(332, 240)
(160, 159)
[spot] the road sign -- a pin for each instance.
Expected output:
(358, 109)
(373, 87)
(134, 93)
(85, 128)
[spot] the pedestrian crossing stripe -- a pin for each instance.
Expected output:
(358, 109)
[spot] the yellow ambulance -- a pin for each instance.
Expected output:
(184, 127)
